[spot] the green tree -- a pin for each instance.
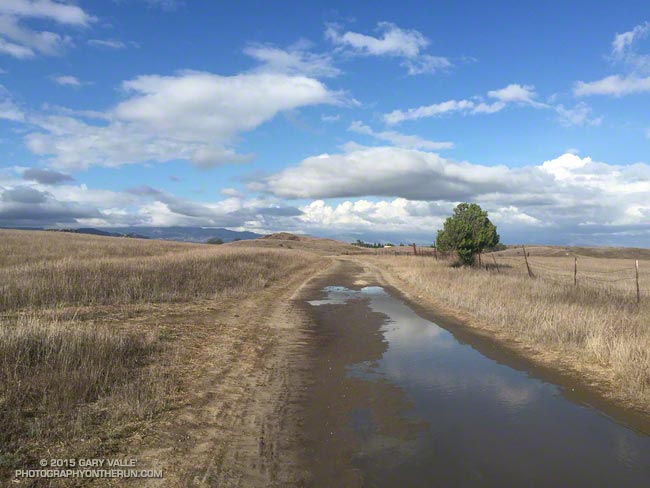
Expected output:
(215, 240)
(468, 231)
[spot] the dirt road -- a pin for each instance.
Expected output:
(247, 419)
(236, 425)
(271, 398)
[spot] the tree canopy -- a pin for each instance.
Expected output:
(468, 231)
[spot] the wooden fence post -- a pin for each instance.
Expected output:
(479, 260)
(530, 273)
(575, 271)
(435, 251)
(638, 292)
(415, 251)
(495, 263)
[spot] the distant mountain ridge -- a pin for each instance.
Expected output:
(178, 233)
(98, 232)
(187, 234)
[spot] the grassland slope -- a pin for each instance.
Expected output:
(100, 336)
(285, 240)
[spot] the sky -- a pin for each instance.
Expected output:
(337, 119)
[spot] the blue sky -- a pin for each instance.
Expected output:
(332, 118)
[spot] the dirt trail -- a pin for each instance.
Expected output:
(236, 427)
(267, 387)
(332, 395)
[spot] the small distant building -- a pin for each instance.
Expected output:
(387, 246)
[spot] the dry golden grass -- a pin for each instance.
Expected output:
(92, 376)
(592, 252)
(204, 272)
(60, 381)
(591, 325)
(284, 240)
(612, 274)
(20, 247)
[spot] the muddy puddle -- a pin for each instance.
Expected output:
(398, 401)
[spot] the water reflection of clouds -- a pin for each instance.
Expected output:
(426, 374)
(483, 387)
(423, 355)
(480, 407)
(336, 295)
(405, 327)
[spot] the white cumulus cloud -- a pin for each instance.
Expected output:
(64, 13)
(66, 80)
(397, 215)
(636, 65)
(107, 43)
(569, 196)
(388, 171)
(514, 93)
(190, 115)
(624, 48)
(580, 114)
(511, 94)
(407, 44)
(9, 110)
(20, 41)
(614, 85)
(296, 59)
(398, 139)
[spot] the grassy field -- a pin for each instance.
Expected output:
(76, 375)
(608, 268)
(18, 247)
(611, 271)
(596, 328)
(101, 336)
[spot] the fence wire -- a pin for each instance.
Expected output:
(573, 273)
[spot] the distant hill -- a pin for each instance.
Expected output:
(185, 234)
(303, 242)
(98, 232)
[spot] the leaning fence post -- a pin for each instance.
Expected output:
(530, 273)
(638, 292)
(575, 270)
